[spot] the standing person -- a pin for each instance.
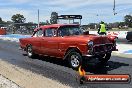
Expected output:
(102, 29)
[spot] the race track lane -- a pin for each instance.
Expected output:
(56, 70)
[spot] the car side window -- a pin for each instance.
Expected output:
(63, 32)
(39, 33)
(50, 32)
(68, 31)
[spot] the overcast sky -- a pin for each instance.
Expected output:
(89, 9)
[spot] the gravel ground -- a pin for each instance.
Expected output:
(6, 83)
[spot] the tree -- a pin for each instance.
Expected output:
(128, 20)
(47, 22)
(0, 20)
(121, 25)
(42, 23)
(53, 18)
(92, 25)
(18, 18)
(2, 23)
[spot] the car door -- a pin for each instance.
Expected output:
(49, 43)
(36, 44)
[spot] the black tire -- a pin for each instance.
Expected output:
(75, 60)
(30, 53)
(105, 58)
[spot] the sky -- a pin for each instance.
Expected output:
(92, 11)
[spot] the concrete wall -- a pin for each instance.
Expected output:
(119, 34)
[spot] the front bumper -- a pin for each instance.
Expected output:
(101, 49)
(96, 54)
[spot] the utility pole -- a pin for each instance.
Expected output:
(114, 8)
(38, 17)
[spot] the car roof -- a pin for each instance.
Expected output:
(54, 26)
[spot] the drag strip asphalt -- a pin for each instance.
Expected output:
(59, 71)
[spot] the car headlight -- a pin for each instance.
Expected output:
(90, 43)
(90, 47)
(114, 42)
(116, 38)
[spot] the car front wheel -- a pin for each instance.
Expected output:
(75, 60)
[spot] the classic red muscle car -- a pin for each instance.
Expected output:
(67, 41)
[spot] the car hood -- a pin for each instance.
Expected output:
(97, 39)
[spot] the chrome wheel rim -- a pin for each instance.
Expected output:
(29, 51)
(75, 61)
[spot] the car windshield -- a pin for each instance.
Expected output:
(70, 30)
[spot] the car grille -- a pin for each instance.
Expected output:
(102, 48)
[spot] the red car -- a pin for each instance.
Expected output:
(67, 41)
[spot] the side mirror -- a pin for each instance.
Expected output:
(86, 32)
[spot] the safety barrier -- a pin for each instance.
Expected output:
(2, 32)
(119, 34)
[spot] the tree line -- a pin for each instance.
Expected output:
(19, 18)
(18, 23)
(126, 23)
